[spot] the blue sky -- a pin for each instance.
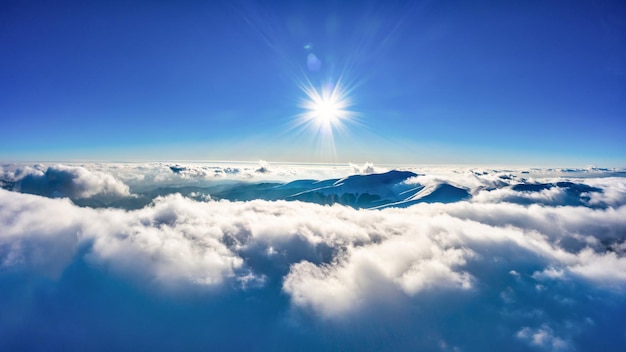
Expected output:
(485, 82)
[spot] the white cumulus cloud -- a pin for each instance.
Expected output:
(469, 275)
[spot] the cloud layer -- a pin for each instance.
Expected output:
(63, 181)
(490, 272)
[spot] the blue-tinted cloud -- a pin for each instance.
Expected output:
(467, 275)
(62, 181)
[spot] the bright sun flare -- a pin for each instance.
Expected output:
(326, 108)
(327, 111)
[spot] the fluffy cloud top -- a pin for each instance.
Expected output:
(65, 181)
(467, 275)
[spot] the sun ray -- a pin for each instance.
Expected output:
(327, 110)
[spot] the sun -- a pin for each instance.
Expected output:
(327, 111)
(326, 115)
(326, 108)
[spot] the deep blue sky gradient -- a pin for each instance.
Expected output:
(502, 82)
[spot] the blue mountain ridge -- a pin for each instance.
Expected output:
(394, 188)
(375, 191)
